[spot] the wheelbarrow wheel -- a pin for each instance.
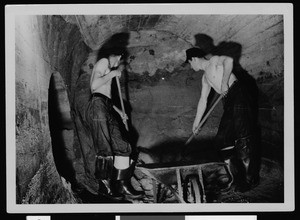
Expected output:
(192, 190)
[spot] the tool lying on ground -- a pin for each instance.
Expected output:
(203, 120)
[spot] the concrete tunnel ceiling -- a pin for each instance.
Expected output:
(95, 29)
(254, 32)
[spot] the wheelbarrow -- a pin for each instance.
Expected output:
(187, 177)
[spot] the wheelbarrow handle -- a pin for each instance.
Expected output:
(203, 120)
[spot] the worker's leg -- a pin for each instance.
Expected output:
(124, 167)
(249, 162)
(247, 143)
(224, 143)
(96, 117)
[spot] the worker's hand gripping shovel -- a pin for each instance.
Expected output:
(203, 120)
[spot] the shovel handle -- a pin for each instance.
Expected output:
(203, 120)
(121, 100)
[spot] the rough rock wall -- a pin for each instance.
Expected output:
(44, 45)
(271, 116)
(155, 50)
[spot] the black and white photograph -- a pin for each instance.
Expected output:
(149, 108)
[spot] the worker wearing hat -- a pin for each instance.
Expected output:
(238, 129)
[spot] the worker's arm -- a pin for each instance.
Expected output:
(227, 63)
(202, 103)
(122, 114)
(100, 77)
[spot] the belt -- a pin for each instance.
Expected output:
(97, 94)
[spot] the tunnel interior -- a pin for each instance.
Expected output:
(160, 93)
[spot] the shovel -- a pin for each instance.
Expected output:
(121, 100)
(203, 120)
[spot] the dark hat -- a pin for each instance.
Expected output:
(194, 52)
(117, 51)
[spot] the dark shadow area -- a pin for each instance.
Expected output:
(175, 150)
(86, 197)
(61, 131)
(205, 43)
(234, 50)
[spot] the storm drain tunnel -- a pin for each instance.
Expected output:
(160, 93)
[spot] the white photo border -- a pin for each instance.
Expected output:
(286, 9)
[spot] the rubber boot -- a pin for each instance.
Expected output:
(225, 155)
(121, 184)
(103, 172)
(248, 172)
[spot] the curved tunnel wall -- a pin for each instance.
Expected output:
(157, 91)
(43, 45)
